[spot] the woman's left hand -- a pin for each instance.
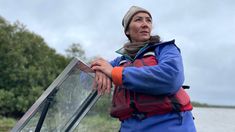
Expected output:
(103, 66)
(102, 83)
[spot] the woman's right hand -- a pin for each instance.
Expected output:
(102, 83)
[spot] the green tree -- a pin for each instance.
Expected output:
(76, 50)
(27, 66)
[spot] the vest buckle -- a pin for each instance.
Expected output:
(139, 116)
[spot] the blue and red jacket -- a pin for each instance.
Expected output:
(151, 83)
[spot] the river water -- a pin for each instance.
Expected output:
(214, 119)
(206, 120)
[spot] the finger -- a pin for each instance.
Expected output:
(96, 78)
(104, 83)
(97, 62)
(99, 84)
(93, 64)
(108, 86)
(95, 84)
(96, 68)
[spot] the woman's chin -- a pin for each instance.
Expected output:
(144, 38)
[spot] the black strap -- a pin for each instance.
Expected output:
(136, 114)
(186, 86)
(176, 107)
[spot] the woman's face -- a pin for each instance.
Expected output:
(140, 27)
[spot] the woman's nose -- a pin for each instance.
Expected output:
(145, 24)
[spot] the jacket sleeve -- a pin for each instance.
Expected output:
(115, 62)
(165, 78)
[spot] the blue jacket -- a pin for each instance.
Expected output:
(160, 123)
(166, 79)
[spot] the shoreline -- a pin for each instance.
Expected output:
(197, 104)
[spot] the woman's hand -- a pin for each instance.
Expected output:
(103, 72)
(102, 83)
(103, 66)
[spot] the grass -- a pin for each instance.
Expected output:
(89, 123)
(6, 124)
(98, 123)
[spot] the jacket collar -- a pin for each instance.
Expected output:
(144, 49)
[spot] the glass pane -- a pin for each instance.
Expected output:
(31, 125)
(65, 103)
(98, 118)
(68, 99)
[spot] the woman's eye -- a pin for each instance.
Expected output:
(149, 20)
(138, 19)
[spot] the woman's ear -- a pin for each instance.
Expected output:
(127, 32)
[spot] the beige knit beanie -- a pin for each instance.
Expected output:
(130, 13)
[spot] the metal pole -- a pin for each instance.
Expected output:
(45, 110)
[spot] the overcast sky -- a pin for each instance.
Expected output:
(203, 29)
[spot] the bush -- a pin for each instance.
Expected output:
(6, 124)
(27, 67)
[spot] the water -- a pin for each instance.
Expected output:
(206, 120)
(214, 119)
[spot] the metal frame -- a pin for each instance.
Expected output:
(47, 104)
(81, 112)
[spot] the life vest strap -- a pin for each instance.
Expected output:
(186, 86)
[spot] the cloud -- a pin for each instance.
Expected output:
(204, 31)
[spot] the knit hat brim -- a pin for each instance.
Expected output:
(130, 13)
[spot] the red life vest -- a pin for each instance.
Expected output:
(125, 102)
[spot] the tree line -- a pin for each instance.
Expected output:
(27, 67)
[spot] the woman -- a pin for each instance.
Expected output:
(148, 79)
